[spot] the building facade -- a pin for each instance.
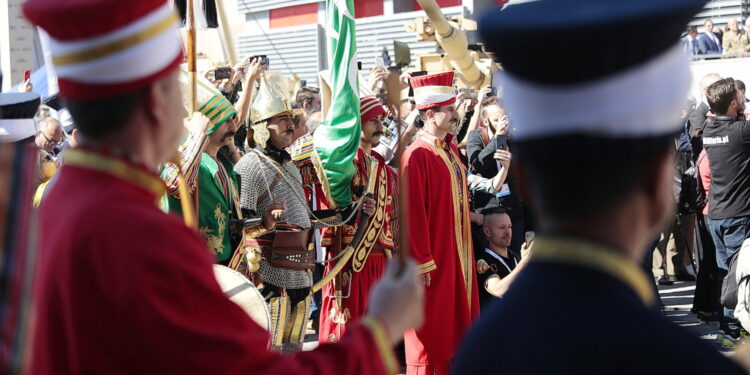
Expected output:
(17, 43)
(292, 32)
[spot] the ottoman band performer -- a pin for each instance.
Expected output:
(439, 229)
(210, 175)
(279, 246)
(345, 298)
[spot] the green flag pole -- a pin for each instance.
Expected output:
(337, 139)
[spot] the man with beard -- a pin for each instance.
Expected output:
(497, 265)
(439, 229)
(279, 247)
(345, 298)
(213, 181)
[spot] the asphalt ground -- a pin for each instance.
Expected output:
(678, 300)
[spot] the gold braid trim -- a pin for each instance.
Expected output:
(426, 267)
(460, 217)
(254, 231)
(598, 257)
(375, 224)
(383, 343)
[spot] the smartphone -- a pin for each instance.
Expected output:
(502, 142)
(26, 75)
(303, 83)
(493, 91)
(530, 237)
(359, 65)
(379, 61)
(222, 73)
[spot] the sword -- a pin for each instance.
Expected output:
(364, 220)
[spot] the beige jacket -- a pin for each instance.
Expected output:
(735, 42)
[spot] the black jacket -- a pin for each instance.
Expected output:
(566, 319)
(483, 163)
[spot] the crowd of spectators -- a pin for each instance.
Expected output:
(731, 41)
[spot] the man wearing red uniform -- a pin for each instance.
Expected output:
(122, 287)
(345, 298)
(439, 229)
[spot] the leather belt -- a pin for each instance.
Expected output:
(291, 250)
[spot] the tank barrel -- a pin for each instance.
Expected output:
(455, 45)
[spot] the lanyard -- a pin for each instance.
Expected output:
(498, 257)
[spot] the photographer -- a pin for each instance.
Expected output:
(488, 153)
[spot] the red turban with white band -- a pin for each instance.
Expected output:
(433, 90)
(94, 57)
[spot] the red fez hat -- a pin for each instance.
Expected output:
(433, 90)
(369, 108)
(104, 48)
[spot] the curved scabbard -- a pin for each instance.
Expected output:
(364, 221)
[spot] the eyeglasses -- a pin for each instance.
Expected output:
(52, 141)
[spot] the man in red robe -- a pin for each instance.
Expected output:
(439, 229)
(345, 297)
(124, 288)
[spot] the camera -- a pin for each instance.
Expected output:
(220, 73)
(263, 59)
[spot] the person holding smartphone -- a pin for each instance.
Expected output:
(489, 154)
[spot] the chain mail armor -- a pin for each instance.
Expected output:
(259, 178)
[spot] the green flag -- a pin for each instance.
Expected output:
(337, 138)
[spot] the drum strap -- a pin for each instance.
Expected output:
(237, 290)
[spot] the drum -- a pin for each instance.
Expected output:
(242, 292)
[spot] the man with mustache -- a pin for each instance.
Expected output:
(439, 229)
(210, 174)
(279, 247)
(345, 298)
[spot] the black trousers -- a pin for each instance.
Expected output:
(708, 281)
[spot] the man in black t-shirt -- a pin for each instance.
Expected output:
(496, 263)
(727, 143)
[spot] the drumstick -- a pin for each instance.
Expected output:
(393, 87)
